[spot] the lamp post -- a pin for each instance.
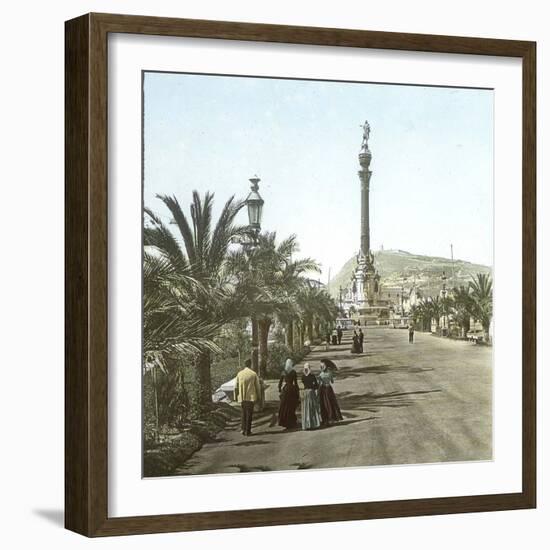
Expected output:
(444, 296)
(254, 204)
(403, 296)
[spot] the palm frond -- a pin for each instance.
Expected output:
(183, 225)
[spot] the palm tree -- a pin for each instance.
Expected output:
(268, 277)
(416, 313)
(249, 269)
(168, 327)
(293, 283)
(446, 309)
(481, 287)
(169, 332)
(462, 305)
(316, 306)
(204, 252)
(428, 309)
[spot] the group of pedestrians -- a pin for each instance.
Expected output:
(334, 337)
(319, 404)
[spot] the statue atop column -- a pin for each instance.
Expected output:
(366, 135)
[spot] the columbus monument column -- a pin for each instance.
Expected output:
(365, 302)
(364, 176)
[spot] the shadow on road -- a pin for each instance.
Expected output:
(346, 356)
(371, 402)
(251, 443)
(350, 372)
(348, 422)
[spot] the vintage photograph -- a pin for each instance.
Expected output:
(317, 274)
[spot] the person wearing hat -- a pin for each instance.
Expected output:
(311, 412)
(361, 337)
(289, 395)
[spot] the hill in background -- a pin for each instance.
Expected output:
(394, 265)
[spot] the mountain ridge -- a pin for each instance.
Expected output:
(399, 268)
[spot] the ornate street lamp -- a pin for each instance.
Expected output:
(254, 204)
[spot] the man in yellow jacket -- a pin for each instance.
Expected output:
(247, 392)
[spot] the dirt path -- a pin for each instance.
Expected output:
(402, 404)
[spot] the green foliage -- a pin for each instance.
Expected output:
(164, 457)
(198, 297)
(169, 326)
(223, 370)
(274, 285)
(474, 301)
(481, 288)
(171, 395)
(186, 297)
(278, 354)
(233, 341)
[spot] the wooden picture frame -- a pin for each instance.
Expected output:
(86, 280)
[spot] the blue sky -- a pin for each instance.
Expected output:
(432, 159)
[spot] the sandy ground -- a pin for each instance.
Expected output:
(402, 404)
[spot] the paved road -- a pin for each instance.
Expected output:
(402, 404)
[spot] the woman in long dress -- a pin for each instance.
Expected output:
(289, 395)
(355, 346)
(330, 411)
(311, 411)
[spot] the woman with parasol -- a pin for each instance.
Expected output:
(330, 410)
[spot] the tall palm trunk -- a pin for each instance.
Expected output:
(263, 329)
(317, 327)
(156, 403)
(254, 356)
(310, 330)
(486, 324)
(296, 336)
(300, 336)
(289, 335)
(200, 387)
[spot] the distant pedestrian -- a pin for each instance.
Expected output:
(248, 391)
(330, 411)
(289, 395)
(411, 333)
(311, 411)
(361, 338)
(339, 333)
(355, 347)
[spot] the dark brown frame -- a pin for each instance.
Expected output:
(86, 282)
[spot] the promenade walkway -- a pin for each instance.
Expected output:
(402, 404)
